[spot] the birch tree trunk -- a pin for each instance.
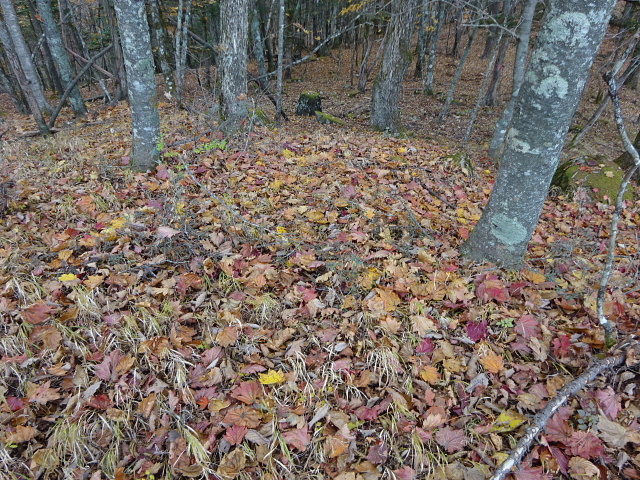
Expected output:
(566, 47)
(234, 19)
(60, 56)
(141, 82)
(385, 109)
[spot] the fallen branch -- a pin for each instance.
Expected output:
(610, 331)
(541, 418)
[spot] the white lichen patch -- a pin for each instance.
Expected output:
(570, 28)
(508, 230)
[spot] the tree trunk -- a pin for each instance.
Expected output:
(385, 109)
(234, 18)
(280, 60)
(567, 44)
(141, 82)
(11, 86)
(427, 84)
(522, 52)
(60, 55)
(24, 55)
(503, 42)
(12, 56)
(157, 28)
(181, 45)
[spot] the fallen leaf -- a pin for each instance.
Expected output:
(508, 421)
(492, 362)
(272, 377)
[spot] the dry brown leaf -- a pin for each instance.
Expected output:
(232, 464)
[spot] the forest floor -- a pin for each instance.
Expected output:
(293, 304)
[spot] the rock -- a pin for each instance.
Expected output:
(327, 118)
(601, 178)
(309, 103)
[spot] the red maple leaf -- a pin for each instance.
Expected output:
(248, 392)
(609, 402)
(298, 438)
(451, 439)
(378, 453)
(37, 313)
(527, 326)
(235, 434)
(478, 331)
(585, 445)
(492, 288)
(558, 429)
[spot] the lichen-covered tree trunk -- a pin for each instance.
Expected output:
(54, 39)
(141, 82)
(385, 109)
(567, 44)
(234, 19)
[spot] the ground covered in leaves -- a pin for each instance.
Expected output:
(292, 304)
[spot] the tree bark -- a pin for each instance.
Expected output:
(162, 47)
(385, 109)
(12, 56)
(567, 44)
(24, 55)
(234, 18)
(522, 52)
(141, 82)
(60, 55)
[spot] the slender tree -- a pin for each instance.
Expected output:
(24, 55)
(141, 82)
(522, 52)
(60, 56)
(567, 44)
(234, 18)
(162, 46)
(385, 110)
(12, 56)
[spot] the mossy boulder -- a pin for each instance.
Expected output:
(309, 103)
(600, 178)
(327, 118)
(259, 117)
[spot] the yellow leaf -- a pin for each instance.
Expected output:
(492, 362)
(118, 222)
(67, 277)
(430, 374)
(369, 213)
(65, 254)
(272, 377)
(507, 421)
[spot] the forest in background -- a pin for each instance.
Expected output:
(290, 301)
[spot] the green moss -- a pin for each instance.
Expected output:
(326, 118)
(601, 181)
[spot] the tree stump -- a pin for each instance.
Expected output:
(309, 103)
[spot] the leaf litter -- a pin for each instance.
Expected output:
(296, 306)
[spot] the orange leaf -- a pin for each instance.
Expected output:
(492, 362)
(430, 374)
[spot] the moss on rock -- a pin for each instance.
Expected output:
(601, 181)
(326, 118)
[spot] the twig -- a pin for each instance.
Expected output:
(542, 417)
(72, 83)
(609, 328)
